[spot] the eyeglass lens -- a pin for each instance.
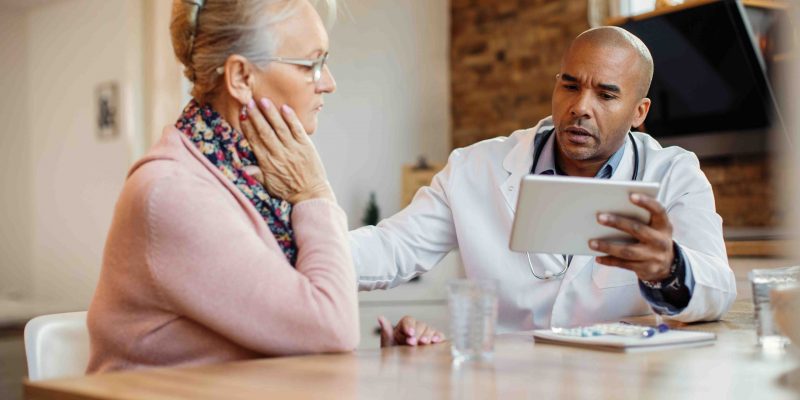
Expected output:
(316, 69)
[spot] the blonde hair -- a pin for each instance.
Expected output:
(206, 32)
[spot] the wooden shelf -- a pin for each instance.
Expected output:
(768, 4)
(414, 178)
(783, 57)
(759, 248)
(658, 11)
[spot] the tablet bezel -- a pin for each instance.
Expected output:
(563, 221)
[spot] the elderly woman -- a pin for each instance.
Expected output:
(203, 263)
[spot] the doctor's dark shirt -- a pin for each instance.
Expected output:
(669, 299)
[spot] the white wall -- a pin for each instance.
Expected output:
(15, 212)
(165, 88)
(390, 60)
(73, 46)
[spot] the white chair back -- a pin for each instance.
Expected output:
(57, 345)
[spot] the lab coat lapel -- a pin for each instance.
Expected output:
(517, 163)
(624, 170)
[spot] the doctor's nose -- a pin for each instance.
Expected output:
(580, 108)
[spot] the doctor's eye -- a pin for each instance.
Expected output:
(607, 96)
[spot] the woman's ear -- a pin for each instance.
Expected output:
(239, 78)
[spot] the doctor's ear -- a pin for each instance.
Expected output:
(238, 78)
(640, 113)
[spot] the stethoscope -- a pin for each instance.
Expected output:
(537, 152)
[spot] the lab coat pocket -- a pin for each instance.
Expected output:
(606, 277)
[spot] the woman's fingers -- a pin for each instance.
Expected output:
(276, 121)
(266, 134)
(254, 139)
(298, 132)
(411, 332)
(405, 332)
(426, 333)
(387, 334)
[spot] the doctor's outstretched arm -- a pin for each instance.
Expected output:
(409, 243)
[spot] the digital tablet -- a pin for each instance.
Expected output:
(558, 215)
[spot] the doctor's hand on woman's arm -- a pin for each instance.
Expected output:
(407, 332)
(652, 256)
(288, 161)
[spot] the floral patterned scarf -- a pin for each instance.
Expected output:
(228, 150)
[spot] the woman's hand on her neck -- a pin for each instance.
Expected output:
(290, 166)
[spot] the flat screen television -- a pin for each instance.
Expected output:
(710, 93)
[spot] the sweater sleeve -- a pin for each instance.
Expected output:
(209, 264)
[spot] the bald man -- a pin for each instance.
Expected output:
(678, 266)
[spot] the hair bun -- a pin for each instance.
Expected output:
(184, 31)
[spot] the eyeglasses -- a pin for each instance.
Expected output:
(316, 65)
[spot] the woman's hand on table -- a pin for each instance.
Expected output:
(407, 332)
(290, 166)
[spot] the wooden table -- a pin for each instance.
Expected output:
(732, 368)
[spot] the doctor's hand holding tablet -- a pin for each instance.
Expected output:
(620, 222)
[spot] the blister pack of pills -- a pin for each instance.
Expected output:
(619, 329)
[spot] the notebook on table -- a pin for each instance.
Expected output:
(672, 339)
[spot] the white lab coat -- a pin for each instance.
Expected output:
(470, 206)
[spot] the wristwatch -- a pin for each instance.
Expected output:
(673, 281)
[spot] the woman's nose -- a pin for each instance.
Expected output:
(326, 83)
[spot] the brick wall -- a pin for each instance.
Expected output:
(745, 190)
(504, 57)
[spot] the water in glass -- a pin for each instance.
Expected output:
(763, 281)
(473, 315)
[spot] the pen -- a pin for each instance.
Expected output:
(627, 329)
(660, 327)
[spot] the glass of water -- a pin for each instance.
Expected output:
(763, 281)
(473, 316)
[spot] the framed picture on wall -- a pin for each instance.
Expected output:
(107, 110)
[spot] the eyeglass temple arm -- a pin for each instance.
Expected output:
(293, 61)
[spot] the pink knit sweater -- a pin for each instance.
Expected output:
(192, 275)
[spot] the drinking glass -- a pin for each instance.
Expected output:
(473, 316)
(763, 282)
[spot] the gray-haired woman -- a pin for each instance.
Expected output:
(203, 262)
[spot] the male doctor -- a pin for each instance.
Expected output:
(678, 267)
